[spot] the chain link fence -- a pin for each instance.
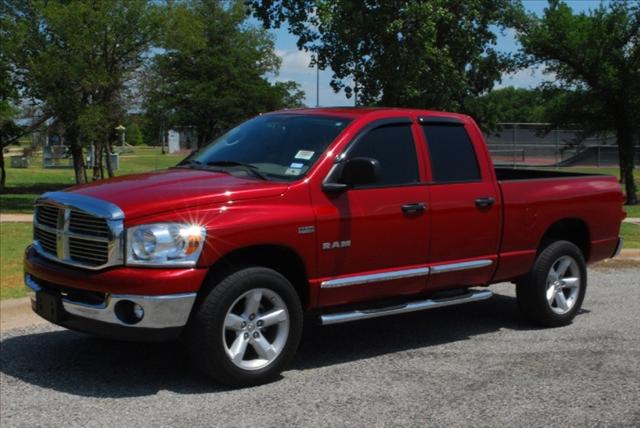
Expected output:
(535, 144)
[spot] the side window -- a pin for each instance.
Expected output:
(393, 147)
(453, 157)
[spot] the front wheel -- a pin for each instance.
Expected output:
(248, 328)
(552, 293)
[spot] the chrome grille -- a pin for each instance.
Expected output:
(87, 224)
(88, 251)
(47, 240)
(78, 230)
(48, 216)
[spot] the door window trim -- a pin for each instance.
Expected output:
(379, 123)
(447, 122)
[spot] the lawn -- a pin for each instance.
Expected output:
(14, 238)
(24, 185)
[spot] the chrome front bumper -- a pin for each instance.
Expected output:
(160, 312)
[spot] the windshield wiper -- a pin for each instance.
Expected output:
(251, 169)
(189, 163)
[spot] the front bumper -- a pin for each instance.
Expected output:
(163, 317)
(103, 302)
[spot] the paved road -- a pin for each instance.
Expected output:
(471, 365)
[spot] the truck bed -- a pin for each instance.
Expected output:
(508, 174)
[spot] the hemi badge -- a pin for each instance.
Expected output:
(303, 230)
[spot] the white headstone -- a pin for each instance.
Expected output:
(174, 141)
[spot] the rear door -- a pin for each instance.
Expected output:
(464, 205)
(373, 240)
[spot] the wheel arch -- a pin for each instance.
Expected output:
(280, 258)
(574, 230)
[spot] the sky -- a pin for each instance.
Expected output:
(295, 63)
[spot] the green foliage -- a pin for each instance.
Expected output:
(77, 58)
(211, 71)
(133, 135)
(433, 54)
(595, 57)
(512, 105)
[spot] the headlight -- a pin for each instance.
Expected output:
(165, 244)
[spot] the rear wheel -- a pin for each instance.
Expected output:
(552, 293)
(247, 329)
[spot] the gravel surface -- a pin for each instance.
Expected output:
(472, 365)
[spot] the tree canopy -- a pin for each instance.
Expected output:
(211, 71)
(76, 59)
(595, 57)
(433, 54)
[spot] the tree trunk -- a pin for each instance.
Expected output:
(624, 133)
(108, 151)
(3, 173)
(97, 162)
(79, 167)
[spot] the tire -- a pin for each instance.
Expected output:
(263, 347)
(552, 293)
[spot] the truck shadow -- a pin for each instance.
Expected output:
(76, 364)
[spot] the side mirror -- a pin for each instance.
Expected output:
(356, 171)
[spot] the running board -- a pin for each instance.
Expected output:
(420, 305)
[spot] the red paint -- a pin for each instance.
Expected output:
(240, 213)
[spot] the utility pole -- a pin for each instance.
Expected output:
(317, 83)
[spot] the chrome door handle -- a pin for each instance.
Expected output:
(416, 207)
(485, 202)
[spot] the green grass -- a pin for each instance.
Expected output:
(632, 210)
(16, 204)
(631, 234)
(25, 184)
(14, 238)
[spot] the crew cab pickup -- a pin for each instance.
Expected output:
(338, 214)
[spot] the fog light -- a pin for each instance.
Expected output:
(138, 311)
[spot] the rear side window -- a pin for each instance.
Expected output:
(393, 147)
(453, 158)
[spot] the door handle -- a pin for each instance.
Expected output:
(485, 202)
(416, 207)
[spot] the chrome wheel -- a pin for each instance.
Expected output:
(563, 285)
(256, 329)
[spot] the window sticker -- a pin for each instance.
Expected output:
(293, 171)
(296, 165)
(304, 154)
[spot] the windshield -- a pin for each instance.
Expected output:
(279, 146)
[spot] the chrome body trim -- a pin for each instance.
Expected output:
(618, 249)
(403, 273)
(454, 267)
(164, 311)
(421, 305)
(65, 202)
(374, 277)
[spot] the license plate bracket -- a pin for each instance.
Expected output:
(49, 306)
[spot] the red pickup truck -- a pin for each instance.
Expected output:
(340, 213)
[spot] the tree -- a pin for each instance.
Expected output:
(212, 70)
(595, 58)
(134, 135)
(77, 58)
(511, 105)
(418, 53)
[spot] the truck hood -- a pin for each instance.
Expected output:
(174, 189)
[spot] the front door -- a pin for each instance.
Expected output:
(374, 240)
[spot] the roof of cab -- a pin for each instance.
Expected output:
(354, 112)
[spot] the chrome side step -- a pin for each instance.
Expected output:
(420, 305)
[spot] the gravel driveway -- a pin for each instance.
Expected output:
(473, 365)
